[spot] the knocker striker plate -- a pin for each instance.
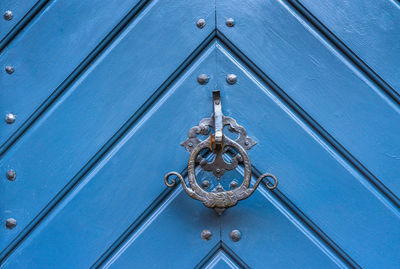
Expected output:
(219, 144)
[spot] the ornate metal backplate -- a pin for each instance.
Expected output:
(218, 144)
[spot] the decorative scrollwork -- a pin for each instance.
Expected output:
(219, 200)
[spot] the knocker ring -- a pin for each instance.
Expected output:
(219, 144)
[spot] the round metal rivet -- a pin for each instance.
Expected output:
(8, 15)
(230, 22)
(11, 223)
(233, 185)
(205, 184)
(218, 170)
(11, 175)
(231, 79)
(190, 144)
(206, 234)
(10, 118)
(203, 79)
(235, 235)
(201, 23)
(9, 69)
(246, 142)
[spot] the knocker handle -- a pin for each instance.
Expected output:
(263, 176)
(172, 182)
(218, 144)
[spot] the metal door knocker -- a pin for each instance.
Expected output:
(218, 144)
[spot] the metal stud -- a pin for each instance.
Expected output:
(201, 23)
(230, 22)
(203, 79)
(11, 223)
(206, 234)
(9, 69)
(8, 15)
(235, 235)
(231, 79)
(205, 184)
(233, 185)
(11, 175)
(219, 188)
(10, 118)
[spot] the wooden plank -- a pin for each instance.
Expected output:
(271, 237)
(115, 86)
(124, 183)
(369, 28)
(127, 180)
(312, 175)
(46, 52)
(322, 82)
(18, 9)
(177, 230)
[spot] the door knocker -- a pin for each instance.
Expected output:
(218, 144)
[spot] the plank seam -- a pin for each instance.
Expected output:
(211, 254)
(227, 250)
(105, 149)
(139, 221)
(308, 224)
(144, 217)
(234, 256)
(300, 217)
(18, 27)
(340, 46)
(314, 126)
(78, 71)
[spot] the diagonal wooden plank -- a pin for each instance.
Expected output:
(323, 82)
(274, 229)
(369, 28)
(21, 13)
(97, 105)
(221, 255)
(176, 229)
(120, 187)
(222, 260)
(43, 57)
(309, 170)
(269, 231)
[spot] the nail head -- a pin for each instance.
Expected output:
(10, 118)
(9, 69)
(203, 79)
(11, 175)
(11, 223)
(8, 15)
(201, 23)
(231, 79)
(206, 235)
(235, 235)
(230, 22)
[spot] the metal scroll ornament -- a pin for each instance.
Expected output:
(219, 144)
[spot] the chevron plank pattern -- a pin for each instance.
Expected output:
(109, 105)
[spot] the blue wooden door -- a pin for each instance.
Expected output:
(98, 95)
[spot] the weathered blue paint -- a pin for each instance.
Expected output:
(104, 93)
(18, 9)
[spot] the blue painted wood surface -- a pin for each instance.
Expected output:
(369, 28)
(105, 92)
(19, 10)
